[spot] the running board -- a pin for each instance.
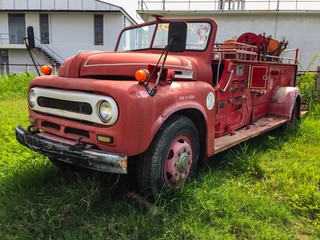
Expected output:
(263, 125)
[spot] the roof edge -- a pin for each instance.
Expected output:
(124, 12)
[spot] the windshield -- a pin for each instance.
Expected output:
(140, 38)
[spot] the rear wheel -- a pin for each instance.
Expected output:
(294, 116)
(171, 158)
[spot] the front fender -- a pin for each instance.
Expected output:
(283, 100)
(175, 98)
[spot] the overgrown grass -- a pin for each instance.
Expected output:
(15, 85)
(306, 83)
(266, 188)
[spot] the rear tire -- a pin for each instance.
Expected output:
(171, 158)
(294, 116)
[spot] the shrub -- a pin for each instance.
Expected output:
(15, 85)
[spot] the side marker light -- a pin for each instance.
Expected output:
(46, 70)
(142, 75)
(106, 139)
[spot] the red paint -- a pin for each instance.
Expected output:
(243, 93)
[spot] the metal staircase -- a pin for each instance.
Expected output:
(46, 52)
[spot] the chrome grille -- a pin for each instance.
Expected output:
(71, 106)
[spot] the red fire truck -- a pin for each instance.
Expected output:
(166, 99)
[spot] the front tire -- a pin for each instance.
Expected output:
(171, 158)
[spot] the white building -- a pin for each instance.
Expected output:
(298, 21)
(61, 29)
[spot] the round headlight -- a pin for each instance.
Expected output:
(105, 111)
(32, 99)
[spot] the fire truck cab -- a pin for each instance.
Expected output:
(167, 98)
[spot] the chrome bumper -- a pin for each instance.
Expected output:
(88, 158)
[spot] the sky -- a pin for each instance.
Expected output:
(130, 6)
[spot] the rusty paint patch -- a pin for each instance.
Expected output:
(281, 94)
(124, 163)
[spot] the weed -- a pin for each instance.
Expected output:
(266, 188)
(307, 84)
(15, 85)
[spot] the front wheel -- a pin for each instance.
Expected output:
(172, 156)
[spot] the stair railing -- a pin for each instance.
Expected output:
(50, 51)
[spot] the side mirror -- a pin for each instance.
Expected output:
(177, 36)
(30, 37)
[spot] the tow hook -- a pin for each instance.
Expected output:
(31, 131)
(79, 144)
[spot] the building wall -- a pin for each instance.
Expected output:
(68, 34)
(20, 61)
(65, 5)
(4, 29)
(72, 32)
(300, 29)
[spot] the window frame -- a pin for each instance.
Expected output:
(44, 40)
(98, 29)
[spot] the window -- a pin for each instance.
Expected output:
(44, 28)
(98, 29)
(136, 38)
(4, 67)
(17, 28)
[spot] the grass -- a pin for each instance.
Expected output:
(265, 188)
(15, 85)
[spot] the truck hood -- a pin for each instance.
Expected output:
(121, 65)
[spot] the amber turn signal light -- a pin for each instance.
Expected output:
(46, 70)
(142, 75)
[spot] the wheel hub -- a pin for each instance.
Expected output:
(178, 162)
(183, 162)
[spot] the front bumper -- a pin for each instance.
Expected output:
(50, 146)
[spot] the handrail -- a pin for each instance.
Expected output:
(51, 52)
(233, 5)
(17, 38)
(142, 4)
(11, 38)
(243, 51)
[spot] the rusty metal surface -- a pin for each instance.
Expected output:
(88, 158)
(261, 126)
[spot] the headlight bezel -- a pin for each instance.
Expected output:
(99, 110)
(32, 103)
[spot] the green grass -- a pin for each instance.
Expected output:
(265, 188)
(14, 85)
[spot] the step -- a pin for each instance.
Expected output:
(263, 125)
